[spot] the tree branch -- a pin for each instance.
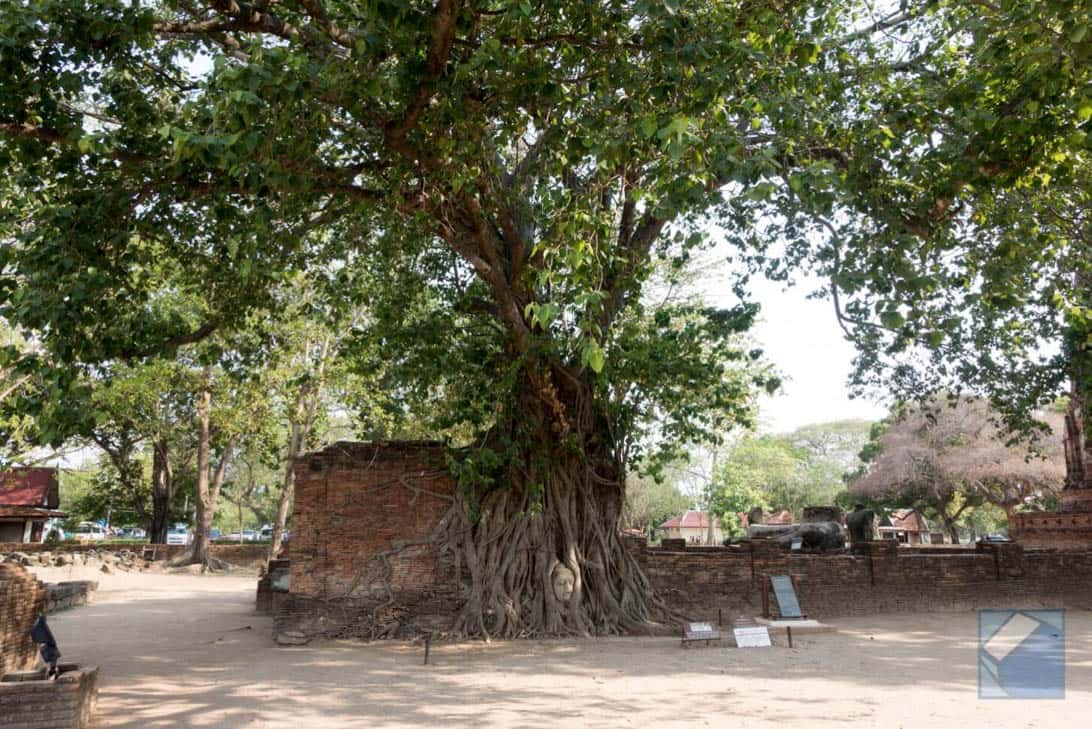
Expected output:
(443, 36)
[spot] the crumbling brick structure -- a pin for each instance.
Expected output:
(22, 598)
(876, 577)
(30, 701)
(1053, 529)
(365, 561)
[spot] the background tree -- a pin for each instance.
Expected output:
(952, 458)
(807, 467)
(305, 371)
(953, 225)
(651, 502)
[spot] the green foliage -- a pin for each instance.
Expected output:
(651, 502)
(489, 189)
(493, 186)
(951, 216)
(804, 468)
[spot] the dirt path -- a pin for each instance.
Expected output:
(187, 651)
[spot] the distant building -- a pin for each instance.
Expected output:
(29, 497)
(909, 526)
(693, 526)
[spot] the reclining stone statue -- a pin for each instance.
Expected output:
(816, 535)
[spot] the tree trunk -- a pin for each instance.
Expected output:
(1078, 418)
(162, 492)
(204, 504)
(295, 440)
(1078, 447)
(543, 548)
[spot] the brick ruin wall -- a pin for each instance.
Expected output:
(22, 598)
(1059, 529)
(240, 555)
(876, 578)
(363, 560)
(68, 702)
(362, 557)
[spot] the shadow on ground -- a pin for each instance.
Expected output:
(202, 659)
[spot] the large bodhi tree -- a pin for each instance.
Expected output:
(549, 150)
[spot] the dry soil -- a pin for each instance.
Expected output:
(179, 650)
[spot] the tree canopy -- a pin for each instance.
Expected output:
(807, 467)
(952, 457)
(489, 186)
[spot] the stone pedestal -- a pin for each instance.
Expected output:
(1070, 527)
(1052, 529)
(1075, 501)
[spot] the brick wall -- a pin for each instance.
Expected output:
(875, 578)
(363, 560)
(65, 703)
(1060, 530)
(22, 598)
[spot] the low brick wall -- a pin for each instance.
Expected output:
(364, 564)
(22, 599)
(64, 595)
(241, 555)
(67, 702)
(272, 586)
(877, 577)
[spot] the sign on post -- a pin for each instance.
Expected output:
(699, 631)
(749, 634)
(787, 603)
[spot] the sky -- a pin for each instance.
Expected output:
(802, 339)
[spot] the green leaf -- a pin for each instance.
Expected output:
(592, 355)
(892, 319)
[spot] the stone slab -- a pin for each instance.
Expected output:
(798, 626)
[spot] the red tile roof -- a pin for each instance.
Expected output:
(689, 520)
(29, 487)
(910, 520)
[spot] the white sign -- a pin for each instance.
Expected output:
(758, 637)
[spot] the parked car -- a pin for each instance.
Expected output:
(994, 538)
(249, 535)
(178, 534)
(214, 533)
(89, 531)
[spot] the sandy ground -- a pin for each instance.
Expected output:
(187, 651)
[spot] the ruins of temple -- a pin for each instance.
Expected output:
(1068, 527)
(364, 561)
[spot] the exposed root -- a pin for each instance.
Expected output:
(559, 567)
(208, 564)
